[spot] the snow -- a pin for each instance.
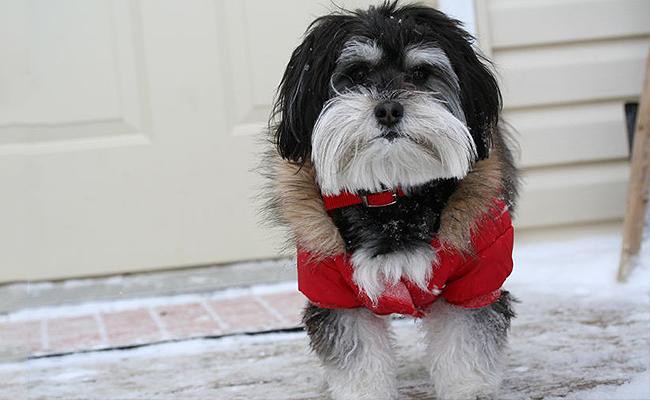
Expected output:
(637, 388)
(581, 266)
(578, 335)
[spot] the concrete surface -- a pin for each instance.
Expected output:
(563, 347)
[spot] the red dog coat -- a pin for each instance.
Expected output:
(470, 281)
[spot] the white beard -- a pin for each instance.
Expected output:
(349, 153)
(373, 273)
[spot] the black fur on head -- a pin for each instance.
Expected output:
(305, 86)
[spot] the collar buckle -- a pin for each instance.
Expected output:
(381, 199)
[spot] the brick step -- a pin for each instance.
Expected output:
(105, 325)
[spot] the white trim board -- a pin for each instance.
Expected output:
(463, 10)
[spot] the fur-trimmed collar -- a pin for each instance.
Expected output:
(296, 202)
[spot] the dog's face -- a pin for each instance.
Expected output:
(392, 96)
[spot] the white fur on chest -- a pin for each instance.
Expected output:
(373, 273)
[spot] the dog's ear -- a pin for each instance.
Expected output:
(480, 94)
(305, 86)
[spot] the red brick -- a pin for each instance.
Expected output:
(245, 314)
(73, 333)
(288, 304)
(187, 320)
(130, 327)
(20, 337)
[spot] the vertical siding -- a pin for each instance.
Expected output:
(567, 68)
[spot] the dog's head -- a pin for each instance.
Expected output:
(386, 97)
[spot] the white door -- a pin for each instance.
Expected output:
(127, 130)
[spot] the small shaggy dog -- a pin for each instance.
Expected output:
(392, 173)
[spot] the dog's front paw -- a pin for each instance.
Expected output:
(360, 385)
(466, 349)
(464, 383)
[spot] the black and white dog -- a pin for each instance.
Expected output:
(373, 100)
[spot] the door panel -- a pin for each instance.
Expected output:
(69, 73)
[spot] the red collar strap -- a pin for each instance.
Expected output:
(345, 199)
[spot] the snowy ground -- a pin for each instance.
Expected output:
(578, 335)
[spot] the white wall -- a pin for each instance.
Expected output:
(567, 68)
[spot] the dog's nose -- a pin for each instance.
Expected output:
(389, 113)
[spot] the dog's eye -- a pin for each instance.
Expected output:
(419, 74)
(359, 74)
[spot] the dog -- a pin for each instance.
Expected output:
(391, 168)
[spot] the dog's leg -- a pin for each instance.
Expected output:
(466, 348)
(355, 347)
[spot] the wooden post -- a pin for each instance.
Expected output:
(637, 194)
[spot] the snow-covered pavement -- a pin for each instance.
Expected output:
(578, 335)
